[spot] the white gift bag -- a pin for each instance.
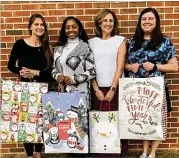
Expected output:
(140, 108)
(104, 132)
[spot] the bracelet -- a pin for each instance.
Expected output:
(96, 90)
(155, 67)
(113, 89)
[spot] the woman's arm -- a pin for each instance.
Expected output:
(13, 59)
(119, 70)
(89, 72)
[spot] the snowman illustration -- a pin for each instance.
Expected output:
(104, 139)
(53, 136)
(72, 140)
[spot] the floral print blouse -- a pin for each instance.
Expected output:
(161, 55)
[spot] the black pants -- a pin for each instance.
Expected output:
(29, 148)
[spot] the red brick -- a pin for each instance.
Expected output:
(75, 12)
(4, 69)
(13, 20)
(4, 151)
(163, 146)
(101, 5)
(51, 19)
(128, 11)
(21, 13)
(56, 12)
(137, 4)
(170, 3)
(164, 10)
(171, 28)
(172, 16)
(173, 114)
(89, 24)
(55, 25)
(122, 17)
(176, 22)
(9, 146)
(172, 119)
(175, 124)
(133, 17)
(42, 12)
(172, 130)
(30, 7)
(4, 75)
(12, 7)
(128, 23)
(53, 32)
(65, 5)
(158, 3)
(47, 6)
(85, 18)
(119, 5)
(83, 5)
(7, 39)
(6, 14)
(92, 11)
(20, 26)
(166, 22)
(175, 92)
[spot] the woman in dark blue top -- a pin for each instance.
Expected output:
(150, 52)
(31, 58)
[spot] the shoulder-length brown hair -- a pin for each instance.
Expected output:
(99, 18)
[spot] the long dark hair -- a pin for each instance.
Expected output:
(98, 20)
(62, 40)
(156, 35)
(44, 39)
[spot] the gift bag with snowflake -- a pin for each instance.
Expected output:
(104, 132)
(21, 111)
(65, 122)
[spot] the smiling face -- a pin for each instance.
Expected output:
(37, 27)
(148, 22)
(71, 29)
(107, 24)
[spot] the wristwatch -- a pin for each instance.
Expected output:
(155, 67)
(113, 89)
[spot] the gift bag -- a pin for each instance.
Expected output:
(21, 111)
(65, 122)
(104, 132)
(142, 106)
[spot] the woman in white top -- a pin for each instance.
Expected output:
(73, 60)
(109, 52)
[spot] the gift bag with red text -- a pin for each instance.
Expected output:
(65, 122)
(21, 111)
(141, 104)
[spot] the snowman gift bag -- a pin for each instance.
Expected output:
(104, 132)
(21, 111)
(65, 123)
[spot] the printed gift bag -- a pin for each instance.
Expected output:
(21, 111)
(104, 132)
(141, 102)
(65, 122)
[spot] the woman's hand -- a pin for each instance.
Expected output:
(99, 94)
(60, 78)
(148, 66)
(67, 80)
(29, 73)
(135, 67)
(109, 96)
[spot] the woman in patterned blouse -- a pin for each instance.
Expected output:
(149, 51)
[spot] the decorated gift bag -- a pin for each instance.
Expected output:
(104, 132)
(142, 106)
(21, 111)
(65, 122)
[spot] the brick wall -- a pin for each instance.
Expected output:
(14, 20)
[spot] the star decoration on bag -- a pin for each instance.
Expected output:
(96, 117)
(111, 117)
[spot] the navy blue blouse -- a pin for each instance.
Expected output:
(161, 55)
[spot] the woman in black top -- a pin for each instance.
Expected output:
(31, 58)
